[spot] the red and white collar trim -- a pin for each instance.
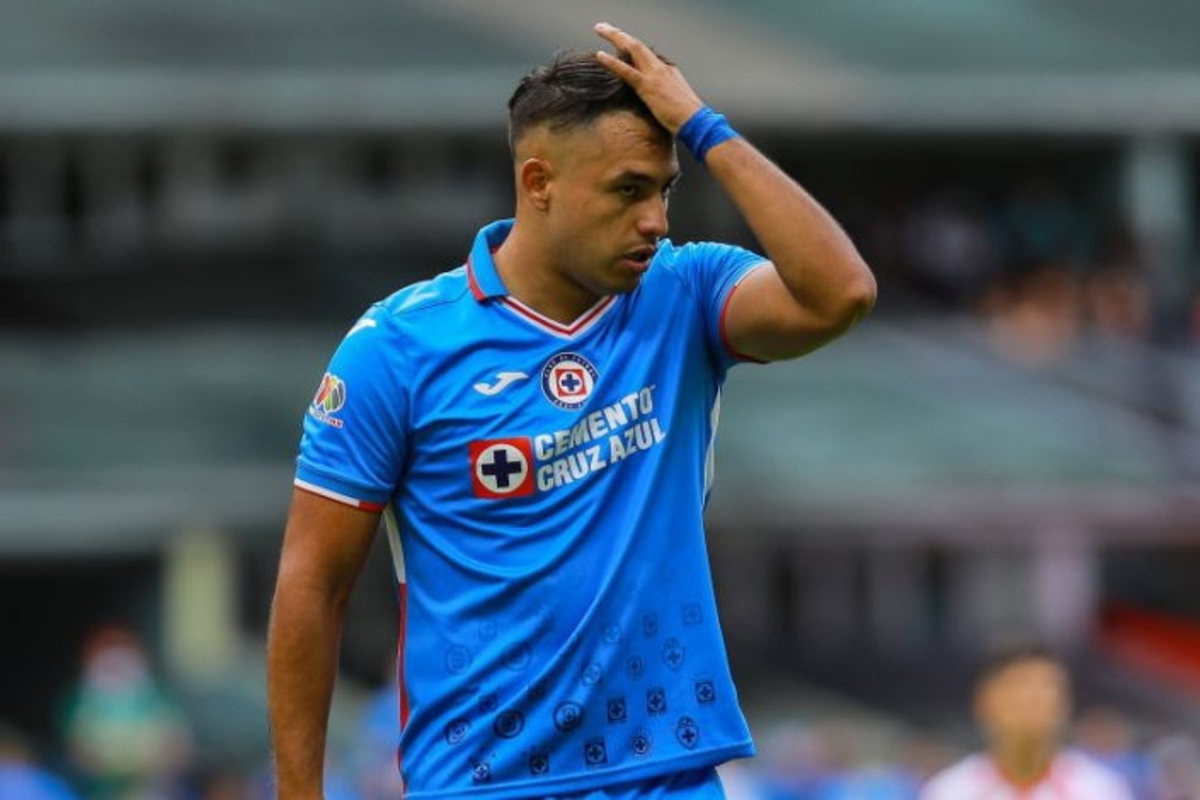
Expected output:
(1052, 779)
(585, 321)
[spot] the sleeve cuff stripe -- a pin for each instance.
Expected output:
(365, 505)
(725, 310)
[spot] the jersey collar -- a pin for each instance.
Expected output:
(481, 269)
(485, 284)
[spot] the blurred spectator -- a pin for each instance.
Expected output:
(1033, 262)
(740, 782)
(1117, 296)
(20, 776)
(124, 735)
(1034, 319)
(793, 763)
(1117, 301)
(1022, 702)
(823, 761)
(922, 757)
(949, 249)
(1108, 735)
(1177, 774)
(1041, 226)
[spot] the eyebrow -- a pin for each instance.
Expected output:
(642, 177)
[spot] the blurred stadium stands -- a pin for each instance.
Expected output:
(196, 199)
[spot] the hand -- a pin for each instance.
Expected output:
(661, 86)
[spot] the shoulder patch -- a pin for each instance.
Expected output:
(329, 399)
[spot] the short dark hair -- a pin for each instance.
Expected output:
(1002, 657)
(572, 90)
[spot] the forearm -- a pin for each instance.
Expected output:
(819, 286)
(812, 254)
(302, 648)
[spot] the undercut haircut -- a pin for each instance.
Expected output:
(572, 91)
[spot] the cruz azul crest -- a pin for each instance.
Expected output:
(568, 380)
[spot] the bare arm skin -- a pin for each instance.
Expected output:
(324, 548)
(818, 286)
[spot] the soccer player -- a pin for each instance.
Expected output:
(1022, 703)
(535, 429)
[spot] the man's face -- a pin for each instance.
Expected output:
(1025, 701)
(607, 201)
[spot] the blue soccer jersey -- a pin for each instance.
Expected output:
(543, 487)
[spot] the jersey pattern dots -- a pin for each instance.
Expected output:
(544, 487)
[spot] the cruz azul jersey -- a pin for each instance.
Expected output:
(543, 488)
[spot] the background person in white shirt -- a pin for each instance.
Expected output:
(1022, 704)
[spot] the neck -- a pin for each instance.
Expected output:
(530, 275)
(1024, 763)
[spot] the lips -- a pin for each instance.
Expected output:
(640, 256)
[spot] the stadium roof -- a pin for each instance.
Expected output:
(1020, 65)
(123, 441)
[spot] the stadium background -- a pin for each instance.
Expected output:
(198, 198)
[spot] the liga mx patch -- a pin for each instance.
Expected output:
(329, 399)
(502, 468)
(568, 380)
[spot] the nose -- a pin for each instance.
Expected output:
(652, 222)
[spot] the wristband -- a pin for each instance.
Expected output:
(703, 131)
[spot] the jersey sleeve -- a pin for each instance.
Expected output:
(1111, 785)
(713, 271)
(940, 788)
(955, 782)
(354, 445)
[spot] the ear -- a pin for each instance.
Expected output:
(533, 177)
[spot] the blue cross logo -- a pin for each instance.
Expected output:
(656, 701)
(539, 763)
(687, 732)
(568, 716)
(500, 469)
(595, 752)
(570, 382)
(673, 654)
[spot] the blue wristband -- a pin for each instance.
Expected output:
(703, 131)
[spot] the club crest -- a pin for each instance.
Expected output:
(568, 380)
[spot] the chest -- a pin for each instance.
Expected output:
(526, 413)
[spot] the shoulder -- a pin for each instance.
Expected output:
(394, 335)
(1082, 772)
(954, 780)
(691, 255)
(710, 267)
(408, 315)
(446, 289)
